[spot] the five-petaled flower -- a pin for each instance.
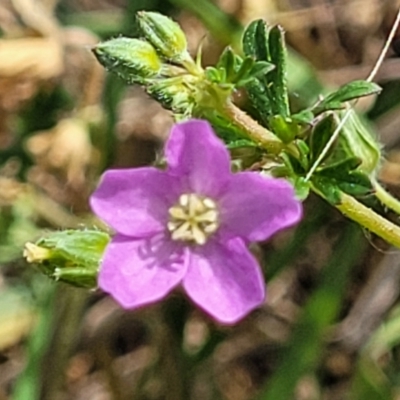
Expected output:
(190, 225)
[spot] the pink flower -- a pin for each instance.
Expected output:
(190, 225)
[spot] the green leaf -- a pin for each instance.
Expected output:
(255, 41)
(244, 70)
(304, 151)
(215, 74)
(228, 61)
(341, 169)
(268, 45)
(261, 68)
(345, 176)
(258, 97)
(305, 117)
(353, 90)
(350, 91)
(285, 128)
(165, 35)
(357, 140)
(255, 44)
(278, 89)
(327, 188)
(321, 134)
(301, 187)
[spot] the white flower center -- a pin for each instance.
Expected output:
(193, 219)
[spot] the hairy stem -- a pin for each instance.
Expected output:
(386, 198)
(255, 131)
(369, 219)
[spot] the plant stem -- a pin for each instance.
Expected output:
(256, 132)
(369, 219)
(386, 198)
(67, 314)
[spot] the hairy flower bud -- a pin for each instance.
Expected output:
(133, 60)
(359, 142)
(165, 35)
(71, 256)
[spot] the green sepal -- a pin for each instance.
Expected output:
(165, 35)
(357, 140)
(173, 94)
(71, 256)
(133, 60)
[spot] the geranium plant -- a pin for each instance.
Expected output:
(190, 225)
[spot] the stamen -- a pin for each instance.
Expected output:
(193, 219)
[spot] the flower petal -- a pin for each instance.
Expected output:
(194, 152)
(135, 202)
(137, 272)
(225, 280)
(254, 207)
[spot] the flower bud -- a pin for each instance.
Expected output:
(174, 94)
(133, 60)
(359, 142)
(165, 35)
(71, 256)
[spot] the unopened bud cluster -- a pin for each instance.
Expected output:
(161, 63)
